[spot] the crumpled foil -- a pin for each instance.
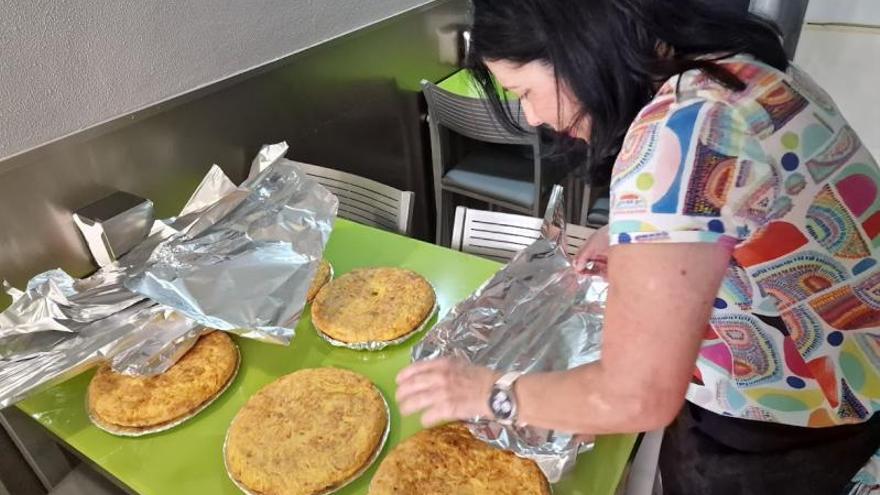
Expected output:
(239, 259)
(536, 314)
(245, 264)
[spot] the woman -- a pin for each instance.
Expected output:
(744, 229)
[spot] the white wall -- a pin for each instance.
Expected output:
(844, 61)
(66, 65)
(848, 11)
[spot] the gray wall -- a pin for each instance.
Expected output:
(66, 65)
(352, 103)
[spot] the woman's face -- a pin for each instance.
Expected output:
(543, 101)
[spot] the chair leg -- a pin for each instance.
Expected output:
(586, 202)
(445, 210)
(571, 199)
(449, 218)
(642, 479)
(439, 204)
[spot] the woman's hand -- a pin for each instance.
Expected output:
(593, 255)
(445, 390)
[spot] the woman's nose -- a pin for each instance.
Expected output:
(529, 112)
(533, 120)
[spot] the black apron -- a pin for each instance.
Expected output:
(706, 453)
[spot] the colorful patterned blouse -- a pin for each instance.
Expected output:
(775, 173)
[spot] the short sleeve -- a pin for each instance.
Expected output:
(674, 178)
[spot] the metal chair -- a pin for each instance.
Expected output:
(499, 236)
(788, 15)
(364, 200)
(595, 206)
(509, 177)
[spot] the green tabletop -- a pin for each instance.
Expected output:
(462, 83)
(188, 459)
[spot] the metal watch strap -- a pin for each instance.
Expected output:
(508, 379)
(502, 392)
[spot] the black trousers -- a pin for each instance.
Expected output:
(705, 453)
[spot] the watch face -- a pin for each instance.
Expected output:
(501, 405)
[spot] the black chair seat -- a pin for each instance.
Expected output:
(496, 173)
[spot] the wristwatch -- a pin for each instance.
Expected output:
(502, 399)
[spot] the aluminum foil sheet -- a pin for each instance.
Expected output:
(237, 258)
(245, 264)
(123, 338)
(536, 314)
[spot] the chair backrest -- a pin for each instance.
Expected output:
(472, 117)
(499, 236)
(364, 200)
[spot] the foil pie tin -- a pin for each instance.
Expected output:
(329, 279)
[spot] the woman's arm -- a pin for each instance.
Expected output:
(659, 302)
(658, 308)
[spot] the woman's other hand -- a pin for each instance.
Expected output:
(593, 255)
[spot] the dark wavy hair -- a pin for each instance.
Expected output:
(613, 54)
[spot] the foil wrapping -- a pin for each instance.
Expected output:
(536, 314)
(237, 258)
(245, 264)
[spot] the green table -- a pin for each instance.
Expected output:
(188, 459)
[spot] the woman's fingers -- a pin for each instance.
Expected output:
(414, 403)
(439, 414)
(583, 257)
(585, 438)
(444, 389)
(592, 256)
(436, 408)
(422, 367)
(418, 384)
(590, 261)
